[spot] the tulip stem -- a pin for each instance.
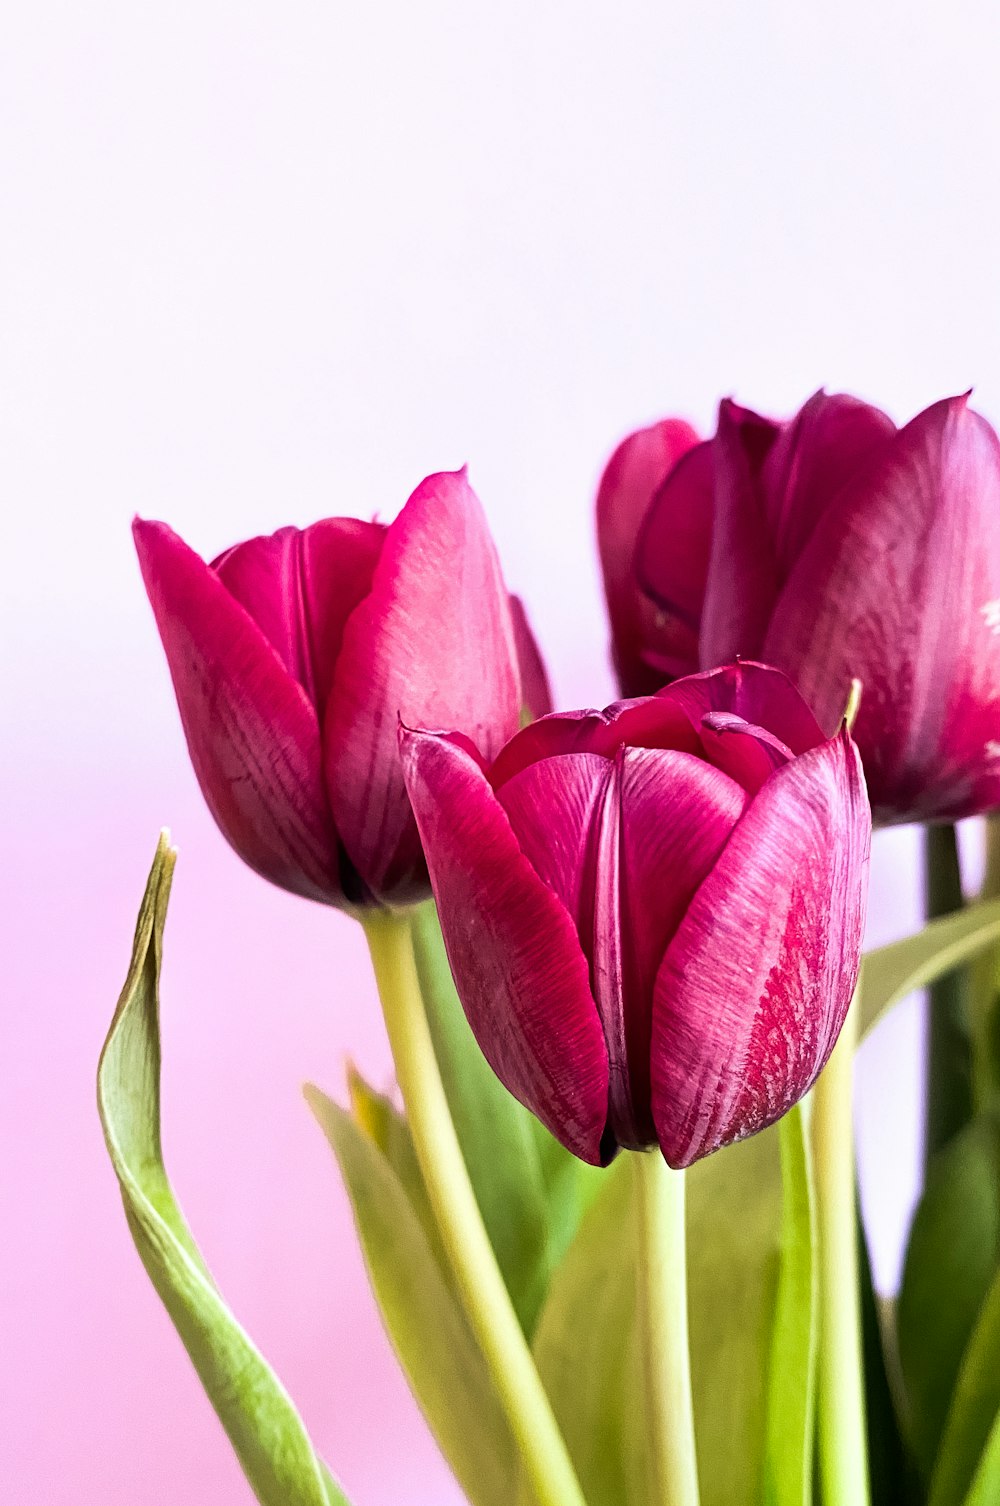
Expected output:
(949, 1048)
(663, 1326)
(542, 1449)
(843, 1441)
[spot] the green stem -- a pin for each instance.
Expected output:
(663, 1325)
(541, 1446)
(843, 1447)
(984, 985)
(948, 1093)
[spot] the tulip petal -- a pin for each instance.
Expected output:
(830, 438)
(675, 539)
(755, 985)
(536, 695)
(630, 480)
(746, 753)
(516, 958)
(675, 813)
(251, 729)
(433, 644)
(734, 618)
(900, 586)
(756, 693)
(300, 585)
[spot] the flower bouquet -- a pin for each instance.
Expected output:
(611, 1221)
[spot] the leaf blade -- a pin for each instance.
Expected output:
(259, 1418)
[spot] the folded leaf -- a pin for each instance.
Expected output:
(952, 1257)
(968, 1445)
(586, 1351)
(531, 1191)
(734, 1241)
(422, 1316)
(270, 1442)
(788, 1476)
(891, 972)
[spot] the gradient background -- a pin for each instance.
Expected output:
(260, 263)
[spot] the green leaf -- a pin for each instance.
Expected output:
(951, 1259)
(892, 972)
(252, 1405)
(985, 1489)
(586, 1351)
(967, 1460)
(734, 1258)
(792, 1389)
(422, 1316)
(894, 1480)
(530, 1190)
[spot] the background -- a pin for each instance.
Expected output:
(260, 263)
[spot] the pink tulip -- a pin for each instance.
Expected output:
(293, 658)
(836, 546)
(653, 913)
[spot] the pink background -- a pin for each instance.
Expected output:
(259, 263)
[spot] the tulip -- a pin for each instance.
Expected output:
(647, 648)
(836, 547)
(293, 657)
(653, 913)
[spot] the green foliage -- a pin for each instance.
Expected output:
(253, 1407)
(891, 972)
(968, 1460)
(421, 1311)
(792, 1391)
(952, 1257)
(531, 1191)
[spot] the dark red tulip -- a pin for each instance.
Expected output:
(293, 658)
(836, 547)
(653, 913)
(647, 648)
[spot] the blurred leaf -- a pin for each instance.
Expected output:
(792, 1389)
(891, 1469)
(531, 1191)
(252, 1405)
(985, 1489)
(734, 1257)
(586, 1351)
(891, 972)
(967, 1460)
(422, 1316)
(951, 1259)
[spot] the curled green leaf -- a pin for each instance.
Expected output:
(270, 1441)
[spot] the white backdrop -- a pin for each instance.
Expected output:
(263, 262)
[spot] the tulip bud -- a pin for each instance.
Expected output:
(293, 658)
(653, 913)
(836, 547)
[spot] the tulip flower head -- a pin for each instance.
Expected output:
(835, 546)
(653, 913)
(293, 656)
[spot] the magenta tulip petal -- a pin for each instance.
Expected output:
(675, 537)
(433, 644)
(829, 440)
(631, 478)
(675, 816)
(518, 965)
(652, 722)
(900, 586)
(755, 985)
(758, 694)
(536, 695)
(746, 753)
(554, 809)
(300, 586)
(734, 618)
(251, 729)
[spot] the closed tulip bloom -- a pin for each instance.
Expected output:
(837, 546)
(647, 647)
(653, 913)
(293, 657)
